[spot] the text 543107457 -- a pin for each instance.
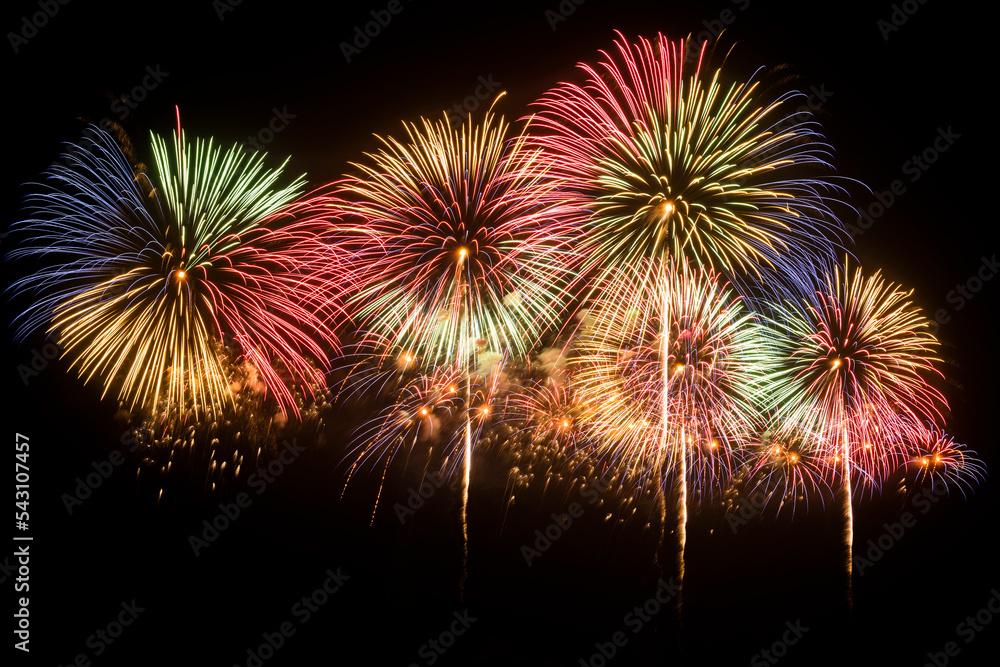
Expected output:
(22, 478)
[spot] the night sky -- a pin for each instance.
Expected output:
(887, 93)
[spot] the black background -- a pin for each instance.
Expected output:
(889, 99)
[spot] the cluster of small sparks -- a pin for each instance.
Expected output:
(675, 232)
(189, 454)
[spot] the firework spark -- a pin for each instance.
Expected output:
(184, 451)
(668, 166)
(425, 411)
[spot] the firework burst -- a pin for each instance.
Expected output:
(461, 257)
(855, 364)
(551, 411)
(462, 244)
(144, 271)
(936, 459)
(854, 369)
(424, 412)
(671, 363)
(672, 170)
(670, 160)
(787, 469)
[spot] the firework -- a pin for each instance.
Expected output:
(671, 362)
(424, 411)
(461, 256)
(666, 160)
(463, 249)
(671, 167)
(789, 468)
(936, 459)
(856, 361)
(553, 412)
(854, 369)
(143, 271)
